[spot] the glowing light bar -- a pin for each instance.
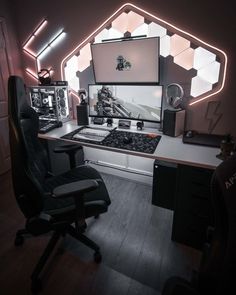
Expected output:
(29, 41)
(30, 53)
(96, 31)
(32, 74)
(55, 40)
(40, 28)
(44, 52)
(35, 32)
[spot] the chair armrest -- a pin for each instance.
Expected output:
(75, 189)
(67, 148)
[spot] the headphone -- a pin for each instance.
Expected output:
(176, 99)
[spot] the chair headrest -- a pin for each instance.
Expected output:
(226, 176)
(17, 95)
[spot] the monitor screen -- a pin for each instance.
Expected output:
(127, 61)
(138, 102)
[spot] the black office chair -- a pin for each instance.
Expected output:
(58, 204)
(217, 272)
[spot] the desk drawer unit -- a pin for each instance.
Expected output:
(164, 182)
(192, 209)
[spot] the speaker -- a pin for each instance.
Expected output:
(173, 122)
(82, 114)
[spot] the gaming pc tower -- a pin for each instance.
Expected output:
(51, 103)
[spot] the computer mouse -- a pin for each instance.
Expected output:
(189, 133)
(127, 139)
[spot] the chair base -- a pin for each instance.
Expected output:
(36, 285)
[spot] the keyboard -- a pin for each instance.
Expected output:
(47, 125)
(97, 135)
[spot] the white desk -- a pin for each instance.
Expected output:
(170, 149)
(191, 191)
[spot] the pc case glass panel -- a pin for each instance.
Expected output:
(50, 102)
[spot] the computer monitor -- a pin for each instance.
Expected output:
(125, 62)
(137, 102)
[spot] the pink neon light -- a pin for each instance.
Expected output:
(164, 22)
(32, 74)
(30, 53)
(35, 32)
(74, 94)
(29, 41)
(40, 28)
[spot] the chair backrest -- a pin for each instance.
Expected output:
(28, 158)
(218, 268)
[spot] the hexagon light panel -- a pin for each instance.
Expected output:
(205, 65)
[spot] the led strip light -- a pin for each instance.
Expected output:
(129, 5)
(59, 36)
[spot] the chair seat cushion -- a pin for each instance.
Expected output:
(96, 201)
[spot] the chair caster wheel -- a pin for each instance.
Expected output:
(19, 240)
(97, 257)
(36, 286)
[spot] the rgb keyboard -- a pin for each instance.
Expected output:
(46, 125)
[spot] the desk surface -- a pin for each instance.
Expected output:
(170, 149)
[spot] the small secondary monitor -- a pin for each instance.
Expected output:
(127, 61)
(137, 102)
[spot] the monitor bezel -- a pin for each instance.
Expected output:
(129, 82)
(126, 118)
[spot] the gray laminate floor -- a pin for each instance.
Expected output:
(135, 238)
(135, 241)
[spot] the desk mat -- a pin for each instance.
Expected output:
(211, 140)
(133, 141)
